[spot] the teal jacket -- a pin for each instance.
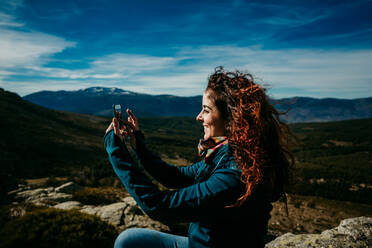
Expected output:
(199, 193)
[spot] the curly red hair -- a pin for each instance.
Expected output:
(257, 136)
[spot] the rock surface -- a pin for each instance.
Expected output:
(45, 196)
(354, 232)
(123, 214)
(134, 217)
(68, 188)
(112, 213)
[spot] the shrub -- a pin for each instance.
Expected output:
(97, 196)
(57, 228)
(52, 182)
(8, 182)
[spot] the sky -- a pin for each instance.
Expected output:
(294, 48)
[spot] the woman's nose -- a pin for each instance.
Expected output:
(199, 118)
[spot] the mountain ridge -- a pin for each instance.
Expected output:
(98, 101)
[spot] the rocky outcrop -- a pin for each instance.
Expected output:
(354, 232)
(42, 196)
(123, 214)
(47, 196)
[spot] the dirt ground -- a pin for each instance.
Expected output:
(310, 214)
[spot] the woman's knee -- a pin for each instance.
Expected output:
(133, 237)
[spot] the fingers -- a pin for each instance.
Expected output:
(128, 124)
(115, 125)
(130, 113)
(111, 126)
(132, 118)
(127, 127)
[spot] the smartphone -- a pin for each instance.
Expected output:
(116, 109)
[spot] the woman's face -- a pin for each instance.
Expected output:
(211, 119)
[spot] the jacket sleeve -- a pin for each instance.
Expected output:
(191, 203)
(169, 175)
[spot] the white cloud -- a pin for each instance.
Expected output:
(318, 73)
(112, 66)
(331, 72)
(7, 20)
(20, 49)
(11, 5)
(132, 62)
(186, 83)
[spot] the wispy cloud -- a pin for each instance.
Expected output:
(7, 20)
(326, 73)
(112, 66)
(131, 63)
(284, 15)
(314, 71)
(19, 49)
(23, 47)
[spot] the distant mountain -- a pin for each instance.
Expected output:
(98, 101)
(306, 109)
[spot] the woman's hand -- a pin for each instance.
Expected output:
(133, 120)
(133, 126)
(128, 127)
(117, 131)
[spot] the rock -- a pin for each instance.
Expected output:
(20, 188)
(31, 194)
(357, 228)
(43, 196)
(17, 211)
(68, 205)
(113, 213)
(89, 209)
(123, 214)
(68, 188)
(354, 232)
(135, 217)
(56, 197)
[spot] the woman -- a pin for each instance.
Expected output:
(227, 195)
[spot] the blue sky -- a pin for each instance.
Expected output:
(296, 48)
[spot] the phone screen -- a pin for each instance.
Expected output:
(117, 110)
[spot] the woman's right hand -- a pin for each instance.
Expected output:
(131, 126)
(133, 120)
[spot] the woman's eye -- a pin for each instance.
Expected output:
(206, 111)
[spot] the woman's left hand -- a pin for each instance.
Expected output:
(117, 131)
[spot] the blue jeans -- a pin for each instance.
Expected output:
(145, 238)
